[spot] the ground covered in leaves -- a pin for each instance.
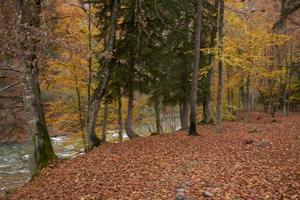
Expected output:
(259, 160)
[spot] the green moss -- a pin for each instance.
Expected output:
(43, 151)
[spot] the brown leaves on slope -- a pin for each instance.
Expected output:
(151, 168)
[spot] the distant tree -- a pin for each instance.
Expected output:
(220, 65)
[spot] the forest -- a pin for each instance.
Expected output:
(149, 99)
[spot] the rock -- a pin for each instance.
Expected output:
(180, 193)
(207, 194)
(25, 157)
(263, 144)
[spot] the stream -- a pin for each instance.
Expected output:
(14, 157)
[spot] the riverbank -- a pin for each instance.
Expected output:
(259, 160)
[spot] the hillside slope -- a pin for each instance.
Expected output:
(255, 161)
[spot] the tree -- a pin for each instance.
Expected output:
(198, 26)
(103, 77)
(30, 13)
(220, 65)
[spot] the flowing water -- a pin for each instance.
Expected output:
(14, 169)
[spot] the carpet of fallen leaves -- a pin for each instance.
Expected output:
(259, 160)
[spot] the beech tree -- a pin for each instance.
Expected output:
(29, 27)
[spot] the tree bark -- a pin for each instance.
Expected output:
(185, 115)
(128, 124)
(157, 116)
(42, 153)
(103, 76)
(247, 100)
(198, 27)
(207, 114)
(90, 49)
(104, 123)
(120, 124)
(220, 66)
(81, 122)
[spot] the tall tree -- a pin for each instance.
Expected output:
(207, 102)
(30, 13)
(220, 65)
(103, 77)
(198, 27)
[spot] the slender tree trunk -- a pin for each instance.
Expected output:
(207, 115)
(157, 116)
(120, 124)
(229, 99)
(103, 77)
(185, 114)
(220, 66)
(181, 113)
(284, 87)
(90, 56)
(42, 153)
(198, 27)
(104, 124)
(185, 77)
(247, 100)
(128, 124)
(79, 110)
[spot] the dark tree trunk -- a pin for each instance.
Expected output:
(42, 153)
(157, 116)
(198, 27)
(220, 66)
(120, 124)
(103, 77)
(128, 124)
(185, 115)
(104, 123)
(181, 113)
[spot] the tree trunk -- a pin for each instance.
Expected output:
(42, 153)
(207, 115)
(79, 110)
(181, 113)
(120, 124)
(220, 66)
(157, 116)
(128, 124)
(198, 27)
(229, 99)
(104, 123)
(103, 76)
(90, 56)
(185, 115)
(247, 100)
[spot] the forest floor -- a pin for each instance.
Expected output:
(259, 160)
